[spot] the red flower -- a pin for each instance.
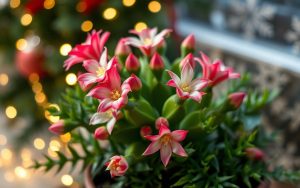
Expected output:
(117, 166)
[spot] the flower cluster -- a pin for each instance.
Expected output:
(120, 83)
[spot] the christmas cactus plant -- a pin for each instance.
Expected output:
(142, 121)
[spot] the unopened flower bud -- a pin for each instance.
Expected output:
(188, 45)
(161, 121)
(134, 82)
(145, 130)
(157, 62)
(57, 128)
(122, 49)
(188, 59)
(132, 64)
(236, 99)
(101, 133)
(255, 153)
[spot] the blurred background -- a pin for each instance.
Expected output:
(261, 37)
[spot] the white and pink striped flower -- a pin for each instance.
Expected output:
(117, 166)
(216, 72)
(185, 86)
(96, 70)
(91, 49)
(109, 117)
(167, 142)
(148, 40)
(112, 94)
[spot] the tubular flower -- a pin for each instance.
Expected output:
(167, 142)
(148, 40)
(96, 70)
(91, 49)
(111, 92)
(109, 117)
(189, 58)
(185, 86)
(117, 166)
(216, 72)
(236, 99)
(57, 128)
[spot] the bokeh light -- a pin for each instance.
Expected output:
(140, 26)
(26, 19)
(65, 49)
(11, 112)
(128, 3)
(86, 26)
(39, 143)
(71, 79)
(110, 13)
(154, 6)
(67, 180)
(4, 79)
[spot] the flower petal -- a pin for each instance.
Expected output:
(196, 96)
(152, 138)
(91, 65)
(178, 149)
(165, 154)
(163, 130)
(187, 74)
(175, 78)
(100, 92)
(110, 124)
(85, 80)
(179, 135)
(105, 105)
(152, 148)
(99, 118)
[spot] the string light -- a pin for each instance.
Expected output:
(54, 145)
(3, 79)
(49, 4)
(86, 26)
(81, 6)
(40, 97)
(154, 6)
(6, 154)
(11, 112)
(21, 172)
(52, 153)
(67, 180)
(21, 44)
(3, 140)
(26, 19)
(128, 3)
(65, 49)
(14, 3)
(39, 143)
(65, 137)
(140, 26)
(71, 79)
(110, 13)
(37, 87)
(33, 77)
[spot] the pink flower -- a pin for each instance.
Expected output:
(236, 99)
(111, 93)
(156, 62)
(255, 153)
(189, 42)
(117, 166)
(101, 133)
(90, 49)
(185, 86)
(216, 71)
(57, 128)
(132, 64)
(167, 142)
(134, 82)
(148, 40)
(96, 70)
(145, 130)
(122, 49)
(109, 117)
(161, 121)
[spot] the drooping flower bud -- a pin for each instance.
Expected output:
(57, 128)
(255, 153)
(101, 133)
(117, 166)
(188, 45)
(156, 62)
(161, 121)
(188, 59)
(236, 99)
(132, 64)
(122, 49)
(145, 130)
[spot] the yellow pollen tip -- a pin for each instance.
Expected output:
(115, 95)
(147, 41)
(100, 72)
(165, 139)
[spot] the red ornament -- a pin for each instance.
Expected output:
(34, 6)
(28, 62)
(88, 5)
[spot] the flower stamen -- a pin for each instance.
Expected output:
(115, 95)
